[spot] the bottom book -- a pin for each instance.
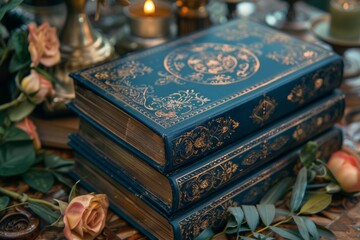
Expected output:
(188, 224)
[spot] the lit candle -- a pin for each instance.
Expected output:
(149, 19)
(345, 19)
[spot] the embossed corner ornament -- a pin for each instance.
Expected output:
(203, 138)
(262, 112)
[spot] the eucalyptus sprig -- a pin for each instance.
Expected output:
(264, 220)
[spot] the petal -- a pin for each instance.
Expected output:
(73, 213)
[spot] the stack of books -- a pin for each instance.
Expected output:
(177, 134)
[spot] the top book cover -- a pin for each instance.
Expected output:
(182, 100)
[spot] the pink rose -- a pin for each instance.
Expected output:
(85, 216)
(346, 170)
(43, 45)
(36, 84)
(28, 126)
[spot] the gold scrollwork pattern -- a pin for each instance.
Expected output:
(266, 149)
(313, 84)
(193, 190)
(203, 139)
(195, 224)
(292, 54)
(262, 112)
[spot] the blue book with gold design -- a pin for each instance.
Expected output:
(134, 207)
(180, 101)
(184, 187)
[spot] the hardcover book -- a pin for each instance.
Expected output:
(180, 101)
(187, 224)
(176, 190)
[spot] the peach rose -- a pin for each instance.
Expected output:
(29, 127)
(43, 45)
(85, 216)
(346, 170)
(36, 84)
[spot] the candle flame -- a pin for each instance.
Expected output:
(346, 5)
(149, 7)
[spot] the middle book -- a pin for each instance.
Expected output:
(176, 190)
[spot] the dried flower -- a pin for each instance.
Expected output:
(29, 127)
(346, 170)
(43, 45)
(85, 216)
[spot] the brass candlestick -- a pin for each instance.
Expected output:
(81, 47)
(192, 15)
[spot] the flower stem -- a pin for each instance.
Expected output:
(275, 225)
(14, 102)
(18, 196)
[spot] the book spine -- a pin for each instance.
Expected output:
(245, 156)
(213, 212)
(236, 121)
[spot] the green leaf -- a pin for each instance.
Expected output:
(62, 179)
(325, 233)
(14, 134)
(8, 6)
(308, 154)
(285, 233)
(266, 212)
(21, 59)
(316, 204)
(73, 191)
(3, 34)
(312, 229)
(238, 215)
(21, 111)
(207, 234)
(44, 212)
(11, 162)
(251, 216)
(276, 192)
(302, 227)
(39, 180)
(58, 163)
(4, 202)
(246, 238)
(298, 192)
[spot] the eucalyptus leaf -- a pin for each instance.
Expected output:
(206, 234)
(21, 111)
(238, 215)
(262, 236)
(44, 212)
(276, 192)
(282, 212)
(8, 6)
(247, 238)
(285, 233)
(39, 180)
(312, 229)
(325, 233)
(298, 191)
(231, 223)
(302, 227)
(4, 202)
(316, 204)
(237, 230)
(266, 212)
(308, 153)
(251, 216)
(11, 162)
